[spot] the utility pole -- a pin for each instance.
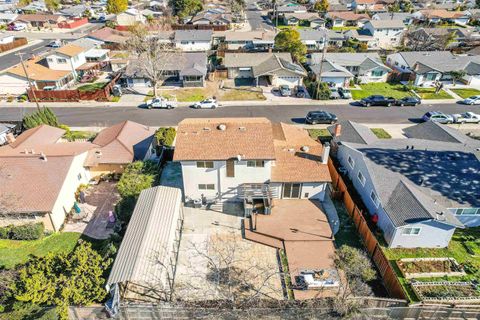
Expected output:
(20, 54)
(324, 51)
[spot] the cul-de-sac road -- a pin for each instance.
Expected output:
(104, 116)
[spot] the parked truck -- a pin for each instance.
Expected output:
(161, 103)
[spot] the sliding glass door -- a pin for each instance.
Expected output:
(291, 190)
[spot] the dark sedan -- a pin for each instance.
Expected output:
(408, 101)
(316, 117)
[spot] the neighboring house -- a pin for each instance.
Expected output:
(362, 36)
(14, 80)
(7, 18)
(426, 67)
(5, 130)
(309, 19)
(339, 68)
(406, 18)
(420, 203)
(130, 17)
(207, 17)
(347, 18)
(109, 36)
(93, 51)
(41, 21)
(193, 40)
(4, 39)
(250, 40)
(144, 266)
(117, 146)
(40, 175)
(233, 159)
(441, 15)
(77, 11)
(363, 5)
(264, 68)
(313, 39)
(188, 68)
(443, 38)
(68, 58)
(291, 9)
(387, 33)
(335, 38)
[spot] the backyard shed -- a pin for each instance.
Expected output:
(145, 264)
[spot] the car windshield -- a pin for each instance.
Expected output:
(473, 97)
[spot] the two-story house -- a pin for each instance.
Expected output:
(388, 34)
(193, 40)
(226, 159)
(67, 58)
(417, 190)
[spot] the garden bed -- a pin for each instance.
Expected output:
(429, 267)
(446, 291)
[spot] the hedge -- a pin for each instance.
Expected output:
(30, 231)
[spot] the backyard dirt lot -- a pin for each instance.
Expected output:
(214, 258)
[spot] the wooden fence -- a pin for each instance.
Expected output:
(18, 42)
(74, 95)
(200, 27)
(372, 246)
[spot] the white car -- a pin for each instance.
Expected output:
(19, 27)
(206, 104)
(466, 117)
(472, 100)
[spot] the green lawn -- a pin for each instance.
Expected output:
(322, 133)
(466, 93)
(13, 252)
(385, 89)
(347, 234)
(457, 249)
(92, 86)
(345, 28)
(240, 95)
(429, 93)
(381, 133)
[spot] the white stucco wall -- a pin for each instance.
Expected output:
(71, 64)
(194, 45)
(10, 84)
(66, 197)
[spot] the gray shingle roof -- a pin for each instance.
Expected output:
(149, 236)
(436, 132)
(238, 60)
(443, 61)
(193, 35)
(275, 63)
(393, 15)
(387, 24)
(355, 133)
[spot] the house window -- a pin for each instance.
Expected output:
(61, 60)
(208, 186)
(411, 231)
(361, 178)
(467, 211)
(79, 177)
(374, 198)
(184, 42)
(205, 164)
(351, 162)
(50, 59)
(430, 76)
(292, 190)
(355, 69)
(256, 163)
(377, 73)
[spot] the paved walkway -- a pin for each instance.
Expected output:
(331, 212)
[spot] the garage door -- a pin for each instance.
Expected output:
(289, 81)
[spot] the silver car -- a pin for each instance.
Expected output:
(206, 104)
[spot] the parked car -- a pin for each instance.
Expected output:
(466, 117)
(408, 101)
(55, 44)
(334, 94)
(206, 104)
(437, 116)
(300, 92)
(285, 90)
(315, 117)
(471, 100)
(377, 100)
(345, 93)
(18, 27)
(160, 103)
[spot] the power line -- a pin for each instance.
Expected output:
(20, 54)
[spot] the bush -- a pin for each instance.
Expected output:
(319, 90)
(165, 136)
(31, 231)
(137, 176)
(5, 232)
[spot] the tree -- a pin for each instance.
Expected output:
(289, 40)
(52, 5)
(117, 6)
(321, 6)
(39, 117)
(319, 90)
(165, 136)
(65, 279)
(138, 176)
(358, 270)
(185, 8)
(151, 56)
(237, 6)
(457, 75)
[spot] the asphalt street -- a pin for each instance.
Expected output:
(105, 116)
(11, 59)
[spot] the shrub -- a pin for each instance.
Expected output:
(137, 176)
(31, 231)
(165, 136)
(5, 232)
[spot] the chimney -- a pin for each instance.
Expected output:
(326, 152)
(43, 156)
(338, 130)
(10, 138)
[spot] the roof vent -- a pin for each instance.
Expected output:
(43, 156)
(305, 148)
(32, 151)
(222, 127)
(291, 150)
(239, 157)
(242, 129)
(206, 129)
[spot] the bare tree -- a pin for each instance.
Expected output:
(151, 54)
(421, 40)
